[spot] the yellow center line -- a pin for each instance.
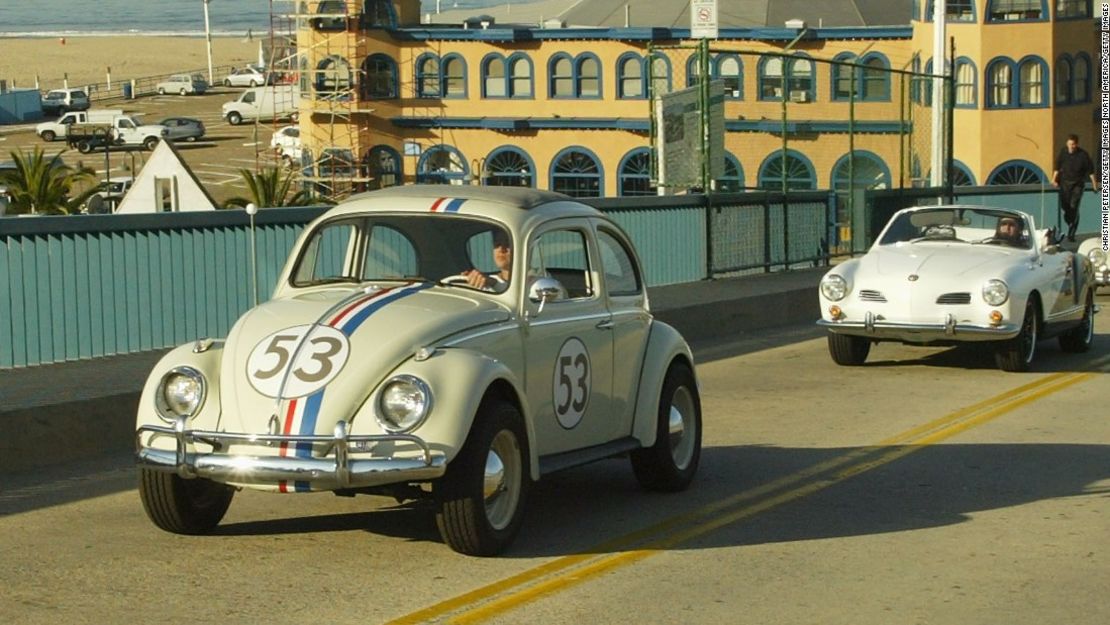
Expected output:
(491, 600)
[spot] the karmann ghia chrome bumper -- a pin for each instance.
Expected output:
(334, 471)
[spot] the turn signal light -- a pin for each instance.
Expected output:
(835, 312)
(996, 317)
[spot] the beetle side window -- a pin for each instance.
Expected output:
(326, 257)
(390, 254)
(621, 277)
(561, 254)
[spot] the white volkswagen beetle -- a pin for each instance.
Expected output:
(408, 351)
(944, 275)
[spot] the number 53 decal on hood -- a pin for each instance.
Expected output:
(315, 354)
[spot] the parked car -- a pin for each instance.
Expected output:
(286, 143)
(246, 77)
(108, 198)
(946, 275)
(60, 101)
(183, 84)
(183, 128)
(408, 351)
(1092, 249)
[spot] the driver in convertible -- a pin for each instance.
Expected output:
(503, 258)
(1008, 231)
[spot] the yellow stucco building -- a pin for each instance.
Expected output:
(387, 98)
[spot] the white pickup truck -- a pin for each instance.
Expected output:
(91, 129)
(59, 128)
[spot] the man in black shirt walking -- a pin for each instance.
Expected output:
(1073, 167)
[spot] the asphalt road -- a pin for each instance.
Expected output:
(215, 159)
(924, 488)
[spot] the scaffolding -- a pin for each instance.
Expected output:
(329, 35)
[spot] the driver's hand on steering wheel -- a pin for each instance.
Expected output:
(477, 279)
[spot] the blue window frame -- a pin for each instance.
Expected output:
(872, 77)
(520, 75)
(631, 82)
(1073, 79)
(967, 83)
(1073, 9)
(1001, 83)
(333, 78)
(494, 82)
(727, 67)
(574, 77)
(865, 170)
(961, 175)
(798, 170)
(379, 78)
(732, 180)
(378, 14)
(1032, 83)
(560, 69)
(794, 74)
(587, 76)
(428, 76)
(452, 69)
(509, 166)
(1016, 172)
(335, 16)
(577, 172)
(634, 175)
(1016, 11)
(507, 77)
(384, 165)
(954, 11)
(658, 70)
(442, 164)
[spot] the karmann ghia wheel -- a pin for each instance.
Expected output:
(183, 506)
(848, 350)
(1078, 339)
(670, 464)
(1016, 355)
(480, 500)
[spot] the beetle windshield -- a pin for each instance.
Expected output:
(448, 249)
(961, 225)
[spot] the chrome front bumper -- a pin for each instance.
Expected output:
(948, 330)
(335, 471)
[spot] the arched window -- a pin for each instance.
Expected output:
(770, 78)
(336, 16)
(791, 165)
(577, 77)
(864, 170)
(561, 70)
(1081, 78)
(509, 167)
(732, 181)
(954, 11)
(634, 175)
(383, 164)
(630, 76)
(659, 71)
(842, 76)
(875, 78)
(333, 78)
(305, 78)
(336, 162)
(493, 77)
(588, 76)
(1063, 79)
(966, 83)
(380, 80)
(727, 67)
(442, 164)
(793, 74)
(1073, 9)
(428, 76)
(577, 172)
(1016, 172)
(1000, 83)
(453, 67)
(1033, 75)
(1016, 10)
(378, 14)
(961, 175)
(520, 76)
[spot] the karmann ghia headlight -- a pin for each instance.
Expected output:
(833, 287)
(180, 393)
(403, 403)
(1097, 256)
(995, 292)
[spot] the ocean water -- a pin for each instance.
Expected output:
(21, 18)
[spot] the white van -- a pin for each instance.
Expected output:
(264, 103)
(60, 128)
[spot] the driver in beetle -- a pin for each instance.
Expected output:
(503, 258)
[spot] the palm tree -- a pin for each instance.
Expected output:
(42, 185)
(270, 188)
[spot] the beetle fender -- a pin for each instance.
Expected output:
(208, 364)
(665, 345)
(459, 380)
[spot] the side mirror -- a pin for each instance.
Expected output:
(544, 290)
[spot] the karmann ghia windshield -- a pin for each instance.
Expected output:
(959, 225)
(358, 249)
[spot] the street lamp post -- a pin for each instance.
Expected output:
(208, 38)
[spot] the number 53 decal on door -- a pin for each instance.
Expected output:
(318, 360)
(571, 384)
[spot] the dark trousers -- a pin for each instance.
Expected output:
(1071, 193)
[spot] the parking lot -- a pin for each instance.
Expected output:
(215, 159)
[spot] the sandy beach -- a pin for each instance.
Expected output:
(86, 59)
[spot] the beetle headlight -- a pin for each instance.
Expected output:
(1097, 256)
(995, 292)
(180, 393)
(833, 287)
(403, 403)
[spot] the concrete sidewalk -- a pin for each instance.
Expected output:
(53, 414)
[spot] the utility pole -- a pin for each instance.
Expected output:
(937, 161)
(208, 38)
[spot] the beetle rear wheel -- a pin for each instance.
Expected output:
(183, 506)
(480, 500)
(848, 350)
(1016, 354)
(670, 464)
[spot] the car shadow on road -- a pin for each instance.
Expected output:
(1049, 357)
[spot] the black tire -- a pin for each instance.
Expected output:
(150, 143)
(473, 517)
(184, 92)
(670, 464)
(254, 83)
(183, 506)
(161, 91)
(1078, 340)
(84, 147)
(1016, 355)
(234, 118)
(191, 139)
(227, 82)
(847, 350)
(48, 135)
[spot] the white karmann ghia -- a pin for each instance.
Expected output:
(944, 275)
(409, 351)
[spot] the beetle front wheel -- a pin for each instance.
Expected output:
(670, 464)
(480, 500)
(181, 506)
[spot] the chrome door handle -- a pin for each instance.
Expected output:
(605, 325)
